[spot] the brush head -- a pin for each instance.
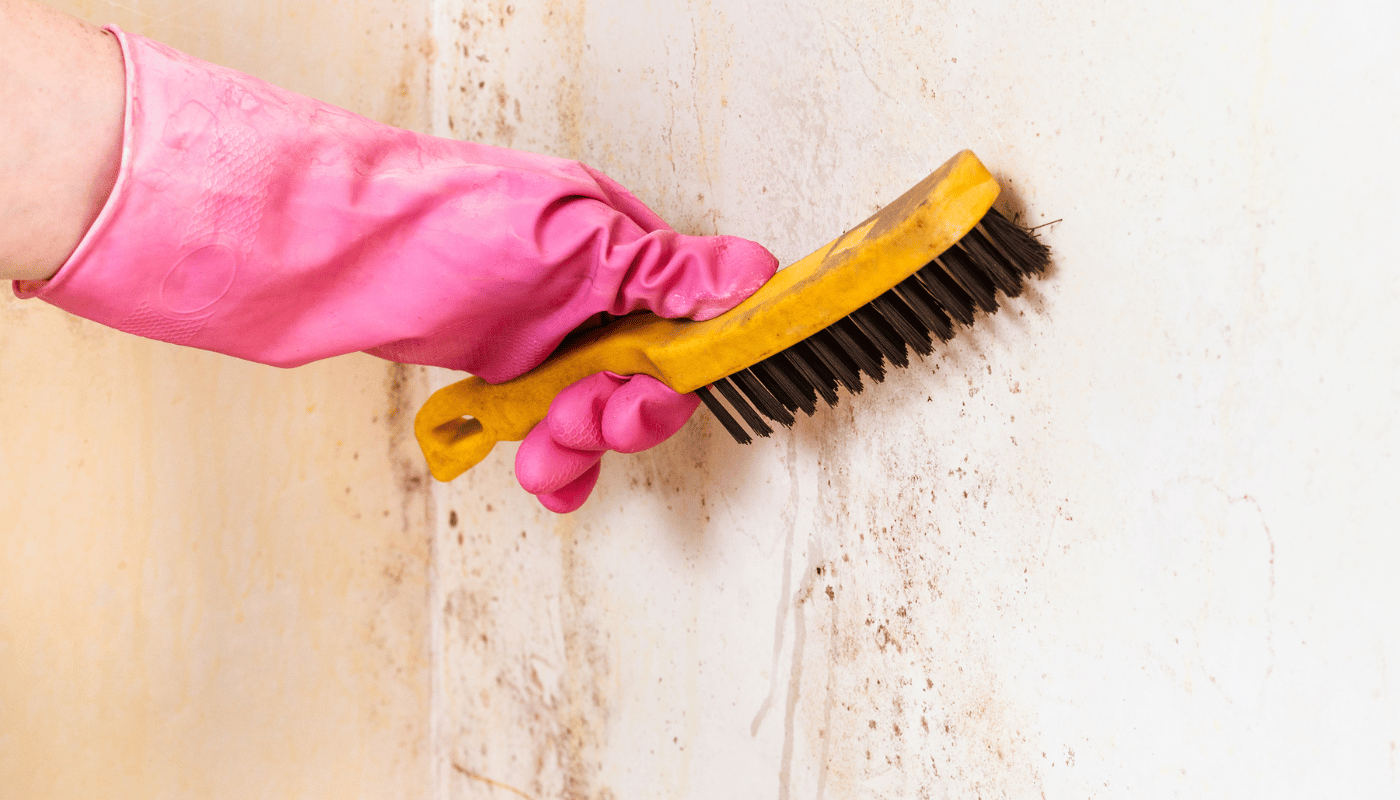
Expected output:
(996, 255)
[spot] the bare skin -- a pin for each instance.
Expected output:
(62, 91)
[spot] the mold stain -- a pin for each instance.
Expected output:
(885, 672)
(587, 678)
(564, 20)
(406, 388)
(910, 687)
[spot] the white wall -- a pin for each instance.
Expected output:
(1133, 536)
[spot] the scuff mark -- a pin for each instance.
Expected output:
(831, 654)
(860, 62)
(799, 643)
(490, 781)
(1269, 604)
(784, 601)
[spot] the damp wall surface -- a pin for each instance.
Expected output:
(1132, 536)
(214, 574)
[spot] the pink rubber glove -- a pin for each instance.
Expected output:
(272, 227)
(559, 459)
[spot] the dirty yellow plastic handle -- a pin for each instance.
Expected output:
(460, 423)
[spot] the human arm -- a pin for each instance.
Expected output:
(61, 88)
(255, 222)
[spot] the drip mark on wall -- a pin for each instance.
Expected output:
(489, 782)
(784, 594)
(799, 642)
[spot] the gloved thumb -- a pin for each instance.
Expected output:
(701, 277)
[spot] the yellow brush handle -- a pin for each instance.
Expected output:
(460, 423)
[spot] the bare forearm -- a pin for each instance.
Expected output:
(61, 88)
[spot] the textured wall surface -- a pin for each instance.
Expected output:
(1133, 536)
(213, 574)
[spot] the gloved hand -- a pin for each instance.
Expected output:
(255, 222)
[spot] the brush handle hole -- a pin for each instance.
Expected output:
(454, 431)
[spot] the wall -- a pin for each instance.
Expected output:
(1132, 536)
(215, 573)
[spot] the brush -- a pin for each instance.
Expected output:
(900, 281)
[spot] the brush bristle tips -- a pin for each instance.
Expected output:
(995, 256)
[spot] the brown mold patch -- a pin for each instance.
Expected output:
(914, 680)
(406, 389)
(588, 672)
(505, 131)
(564, 20)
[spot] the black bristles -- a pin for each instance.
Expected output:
(805, 362)
(993, 265)
(896, 312)
(969, 277)
(882, 334)
(770, 385)
(852, 342)
(946, 291)
(1002, 251)
(786, 384)
(829, 351)
(1021, 248)
(739, 404)
(783, 365)
(925, 308)
(995, 255)
(722, 414)
(763, 399)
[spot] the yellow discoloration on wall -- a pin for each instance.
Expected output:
(369, 57)
(216, 573)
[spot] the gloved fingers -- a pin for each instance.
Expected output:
(559, 454)
(569, 498)
(643, 413)
(633, 261)
(559, 459)
(697, 277)
(575, 415)
(736, 267)
(542, 465)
